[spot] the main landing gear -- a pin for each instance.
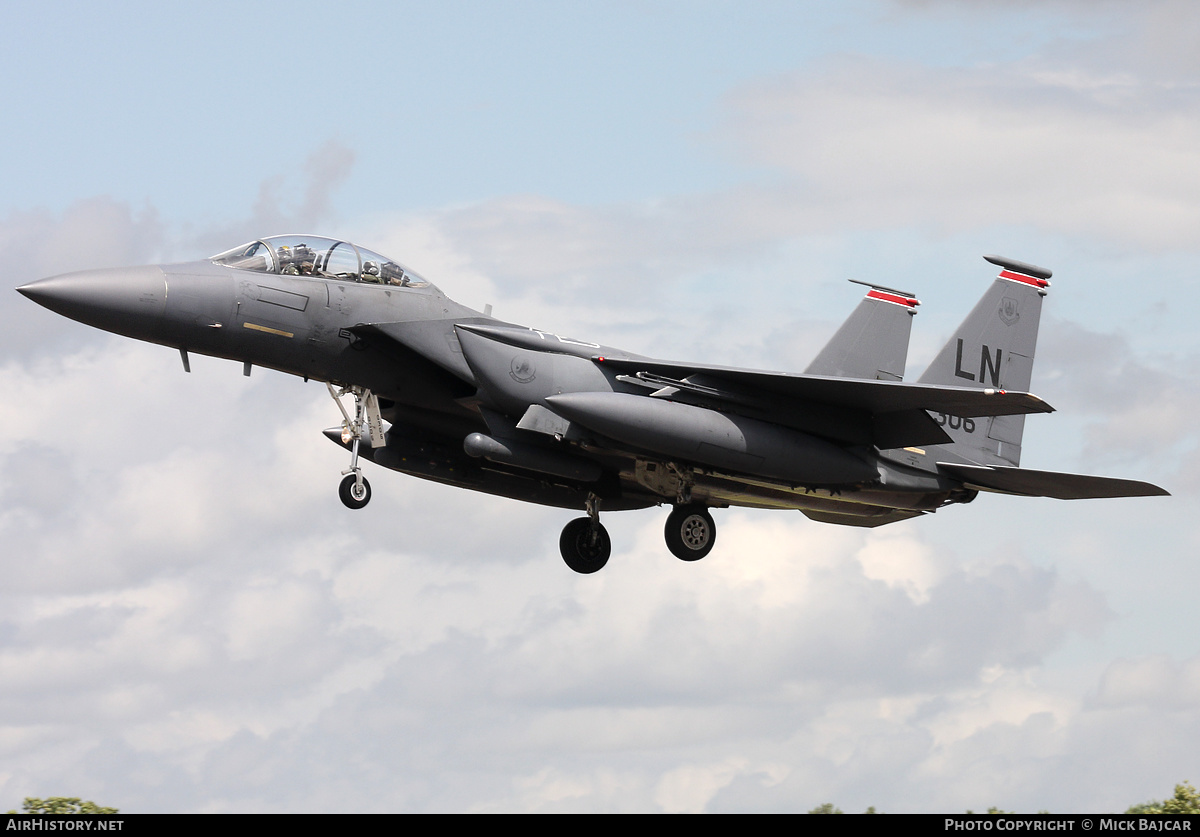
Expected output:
(354, 490)
(584, 542)
(690, 532)
(585, 545)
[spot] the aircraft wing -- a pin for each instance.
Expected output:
(887, 414)
(1003, 479)
(871, 396)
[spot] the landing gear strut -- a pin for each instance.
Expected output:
(355, 491)
(690, 532)
(584, 542)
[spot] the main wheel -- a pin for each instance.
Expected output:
(690, 532)
(584, 546)
(354, 495)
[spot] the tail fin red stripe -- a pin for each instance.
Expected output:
(1021, 277)
(906, 301)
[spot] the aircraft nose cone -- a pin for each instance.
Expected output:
(123, 300)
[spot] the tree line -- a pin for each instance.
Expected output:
(1186, 800)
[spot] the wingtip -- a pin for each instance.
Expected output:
(1038, 404)
(1046, 406)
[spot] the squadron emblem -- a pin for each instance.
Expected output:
(522, 370)
(1008, 311)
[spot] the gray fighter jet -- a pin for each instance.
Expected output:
(450, 394)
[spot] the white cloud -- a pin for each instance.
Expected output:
(878, 143)
(1156, 681)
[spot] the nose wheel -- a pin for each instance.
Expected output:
(355, 491)
(690, 532)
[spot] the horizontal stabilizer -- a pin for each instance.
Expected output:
(1006, 480)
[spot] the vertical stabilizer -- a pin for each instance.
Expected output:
(993, 348)
(873, 342)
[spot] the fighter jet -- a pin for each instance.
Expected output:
(450, 394)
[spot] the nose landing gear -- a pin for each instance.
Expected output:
(355, 491)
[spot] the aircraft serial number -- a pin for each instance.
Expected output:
(956, 423)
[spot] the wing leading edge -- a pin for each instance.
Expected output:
(872, 396)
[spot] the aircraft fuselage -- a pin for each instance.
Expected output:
(495, 407)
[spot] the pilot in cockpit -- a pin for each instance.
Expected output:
(296, 261)
(393, 274)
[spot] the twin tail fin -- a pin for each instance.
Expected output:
(993, 348)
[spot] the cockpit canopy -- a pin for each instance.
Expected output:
(312, 255)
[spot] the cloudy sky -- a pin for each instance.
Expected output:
(191, 621)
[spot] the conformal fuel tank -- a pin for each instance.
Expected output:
(717, 439)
